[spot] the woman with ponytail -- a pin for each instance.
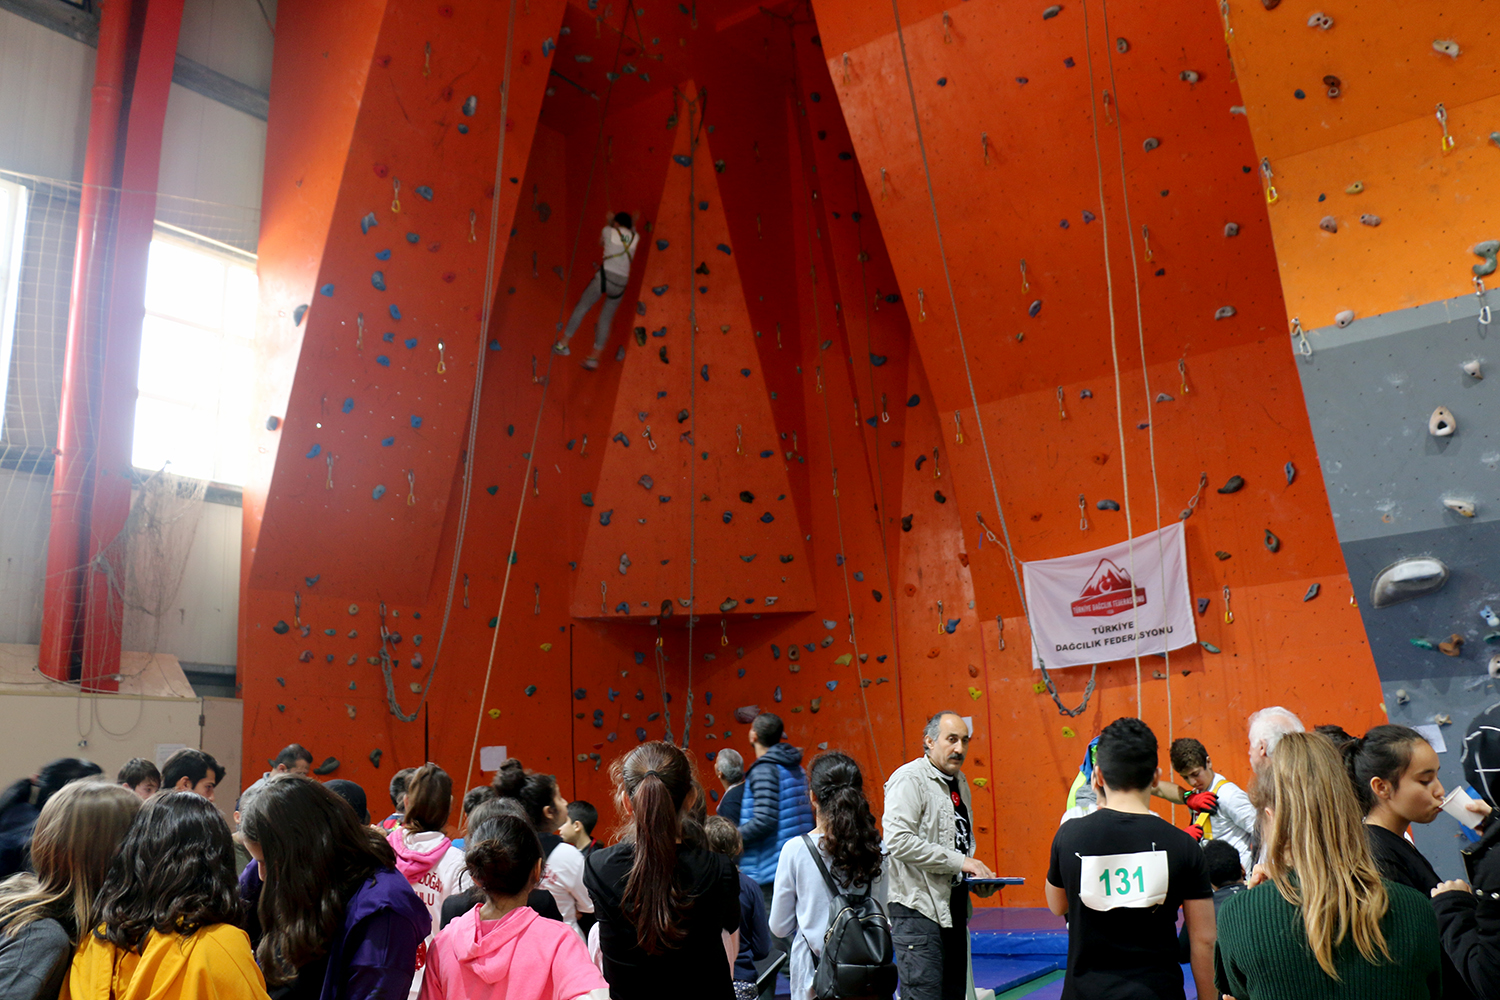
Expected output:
(424, 854)
(1324, 924)
(562, 870)
(669, 911)
(849, 846)
(502, 947)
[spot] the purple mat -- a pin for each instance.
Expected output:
(1016, 918)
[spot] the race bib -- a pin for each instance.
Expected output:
(1136, 881)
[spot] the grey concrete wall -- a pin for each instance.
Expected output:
(1370, 389)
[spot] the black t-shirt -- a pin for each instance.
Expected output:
(1126, 874)
(697, 966)
(963, 830)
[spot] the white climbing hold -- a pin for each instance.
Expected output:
(1441, 424)
(1495, 665)
(1471, 369)
(1188, 76)
(1369, 220)
(1224, 312)
(1328, 224)
(1231, 229)
(1150, 144)
(1459, 506)
(1236, 109)
(1406, 579)
(1319, 20)
(1446, 47)
(1343, 318)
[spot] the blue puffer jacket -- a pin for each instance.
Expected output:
(775, 809)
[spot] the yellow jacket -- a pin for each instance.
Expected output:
(215, 963)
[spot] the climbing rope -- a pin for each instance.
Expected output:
(963, 351)
(387, 665)
(838, 515)
(1140, 322)
(694, 108)
(546, 382)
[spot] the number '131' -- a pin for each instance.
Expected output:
(1124, 875)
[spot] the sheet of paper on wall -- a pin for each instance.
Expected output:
(490, 758)
(969, 721)
(165, 750)
(1433, 735)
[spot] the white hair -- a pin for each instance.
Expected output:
(729, 766)
(1269, 725)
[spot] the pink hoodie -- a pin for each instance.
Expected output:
(521, 956)
(409, 862)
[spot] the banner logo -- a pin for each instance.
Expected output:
(1110, 591)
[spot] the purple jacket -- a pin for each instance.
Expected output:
(374, 954)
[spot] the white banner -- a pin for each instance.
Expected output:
(1109, 604)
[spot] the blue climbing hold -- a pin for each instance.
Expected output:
(416, 421)
(877, 359)
(412, 237)
(387, 442)
(326, 290)
(767, 517)
(383, 360)
(377, 492)
(681, 160)
(494, 345)
(547, 46)
(639, 658)
(378, 280)
(832, 685)
(1034, 308)
(704, 372)
(703, 206)
(297, 315)
(424, 191)
(745, 372)
(775, 651)
(640, 734)
(914, 400)
(838, 559)
(659, 290)
(942, 81)
(395, 313)
(349, 405)
(383, 254)
(859, 576)
(388, 337)
(411, 343)
(662, 244)
(620, 437)
(724, 248)
(463, 129)
(368, 223)
(588, 499)
(664, 499)
(604, 517)
(1087, 216)
(815, 96)
(951, 626)
(1063, 223)
(767, 453)
(622, 607)
(777, 693)
(728, 516)
(314, 451)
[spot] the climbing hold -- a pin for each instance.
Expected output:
(1312, 592)
(1452, 646)
(1202, 605)
(1231, 229)
(281, 628)
(1151, 144)
(1052, 12)
(326, 290)
(367, 223)
(645, 482)
(1461, 507)
(747, 496)
(378, 280)
(1357, 186)
(1441, 423)
(624, 564)
(1034, 308)
(1210, 647)
(813, 705)
(1221, 555)
(906, 522)
(1224, 312)
(704, 372)
(424, 191)
(1085, 394)
(1343, 318)
(1494, 667)
(1088, 216)
(377, 492)
(297, 315)
(793, 653)
(1369, 220)
(314, 451)
(1234, 485)
(767, 518)
(1291, 473)
(729, 605)
(1328, 224)
(588, 499)
(1122, 46)
(1320, 20)
(951, 625)
(1188, 76)
(1162, 397)
(975, 693)
(1471, 369)
(1446, 47)
(777, 693)
(604, 517)
(724, 249)
(1272, 542)
(1107, 505)
(1487, 250)
(938, 496)
(1406, 579)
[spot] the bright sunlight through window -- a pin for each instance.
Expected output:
(197, 369)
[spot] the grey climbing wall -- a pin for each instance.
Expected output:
(1370, 389)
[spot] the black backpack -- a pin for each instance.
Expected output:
(858, 959)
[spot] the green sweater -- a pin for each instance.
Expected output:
(1263, 954)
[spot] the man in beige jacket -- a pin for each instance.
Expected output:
(929, 838)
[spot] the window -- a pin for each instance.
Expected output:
(197, 367)
(12, 243)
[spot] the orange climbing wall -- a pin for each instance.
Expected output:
(815, 183)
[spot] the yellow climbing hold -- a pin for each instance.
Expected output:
(845, 660)
(975, 693)
(546, 647)
(1039, 687)
(981, 782)
(1068, 732)
(494, 713)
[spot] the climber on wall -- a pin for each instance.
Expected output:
(619, 240)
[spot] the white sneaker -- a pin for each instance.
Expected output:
(561, 348)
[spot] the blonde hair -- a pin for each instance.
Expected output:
(76, 837)
(1317, 851)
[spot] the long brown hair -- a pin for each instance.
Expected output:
(76, 837)
(651, 784)
(429, 799)
(317, 855)
(1317, 851)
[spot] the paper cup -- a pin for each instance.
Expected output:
(1456, 803)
